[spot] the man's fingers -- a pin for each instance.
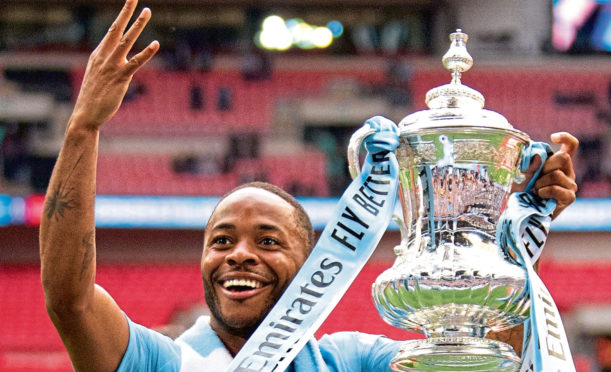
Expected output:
(563, 196)
(141, 58)
(127, 41)
(569, 143)
(555, 178)
(118, 27)
(123, 19)
(562, 161)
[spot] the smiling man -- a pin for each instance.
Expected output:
(255, 242)
(253, 247)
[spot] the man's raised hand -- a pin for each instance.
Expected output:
(109, 72)
(557, 179)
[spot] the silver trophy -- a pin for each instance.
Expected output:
(451, 280)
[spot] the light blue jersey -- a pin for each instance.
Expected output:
(200, 349)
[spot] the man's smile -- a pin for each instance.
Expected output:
(241, 284)
(240, 287)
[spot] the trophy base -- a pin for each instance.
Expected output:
(456, 354)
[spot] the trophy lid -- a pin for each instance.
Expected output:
(455, 104)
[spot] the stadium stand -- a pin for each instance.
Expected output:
(161, 103)
(153, 174)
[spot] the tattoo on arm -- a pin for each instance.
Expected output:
(58, 202)
(89, 244)
(61, 200)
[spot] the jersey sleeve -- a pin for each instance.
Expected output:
(355, 351)
(149, 351)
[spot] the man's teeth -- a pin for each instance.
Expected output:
(242, 283)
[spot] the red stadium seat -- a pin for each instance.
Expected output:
(301, 174)
(152, 174)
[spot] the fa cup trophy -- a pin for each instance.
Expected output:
(451, 280)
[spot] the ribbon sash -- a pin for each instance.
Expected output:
(523, 229)
(360, 219)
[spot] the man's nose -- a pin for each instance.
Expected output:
(242, 253)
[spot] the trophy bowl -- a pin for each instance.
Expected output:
(451, 280)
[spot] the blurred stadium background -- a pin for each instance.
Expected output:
(272, 90)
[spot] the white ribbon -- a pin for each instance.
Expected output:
(523, 229)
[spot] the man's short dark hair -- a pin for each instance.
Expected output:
(304, 224)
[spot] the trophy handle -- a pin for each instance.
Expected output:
(354, 148)
(354, 167)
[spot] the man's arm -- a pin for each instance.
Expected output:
(556, 181)
(90, 323)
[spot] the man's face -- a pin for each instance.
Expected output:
(252, 250)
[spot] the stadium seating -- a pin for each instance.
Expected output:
(303, 174)
(222, 103)
(28, 342)
(152, 174)
(163, 103)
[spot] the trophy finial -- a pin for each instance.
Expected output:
(457, 59)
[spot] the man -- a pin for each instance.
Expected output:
(256, 240)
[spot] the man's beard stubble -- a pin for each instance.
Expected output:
(244, 330)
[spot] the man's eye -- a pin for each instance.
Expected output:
(220, 240)
(269, 241)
